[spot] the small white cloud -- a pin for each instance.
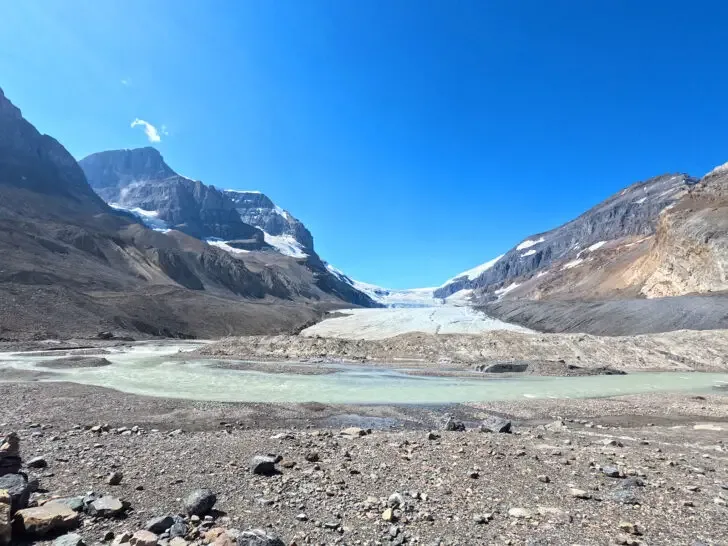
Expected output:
(126, 82)
(149, 129)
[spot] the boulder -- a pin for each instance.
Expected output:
(263, 465)
(10, 461)
(178, 529)
(51, 518)
(495, 424)
(258, 537)
(19, 490)
(200, 502)
(5, 518)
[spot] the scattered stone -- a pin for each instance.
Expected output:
(556, 426)
(482, 518)
(312, 457)
(258, 537)
(71, 539)
(395, 500)
(37, 462)
(353, 432)
(611, 471)
(433, 435)
(520, 513)
(200, 502)
(611, 442)
(388, 515)
(264, 465)
(108, 536)
(159, 525)
(624, 496)
(495, 424)
(178, 541)
(580, 494)
(543, 478)
(52, 517)
(106, 507)
(454, 425)
(143, 538)
(630, 528)
(114, 478)
(302, 517)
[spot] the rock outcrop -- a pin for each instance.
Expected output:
(690, 252)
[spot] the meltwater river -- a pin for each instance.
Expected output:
(154, 369)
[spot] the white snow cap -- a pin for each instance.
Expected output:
(475, 272)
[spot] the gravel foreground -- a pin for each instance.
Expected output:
(648, 469)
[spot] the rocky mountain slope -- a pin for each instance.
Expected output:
(690, 252)
(584, 257)
(282, 231)
(73, 266)
(140, 181)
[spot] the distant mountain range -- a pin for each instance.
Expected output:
(74, 265)
(121, 242)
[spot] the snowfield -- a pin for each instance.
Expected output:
(384, 323)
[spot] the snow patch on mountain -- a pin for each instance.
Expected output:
(149, 218)
(528, 243)
(219, 243)
(285, 244)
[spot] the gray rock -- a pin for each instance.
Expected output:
(37, 462)
(19, 489)
(178, 529)
(258, 537)
(495, 424)
(106, 507)
(114, 478)
(263, 465)
(395, 500)
(160, 524)
(71, 539)
(74, 503)
(624, 496)
(200, 502)
(611, 471)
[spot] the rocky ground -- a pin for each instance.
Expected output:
(682, 350)
(632, 470)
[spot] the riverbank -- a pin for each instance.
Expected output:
(572, 472)
(683, 350)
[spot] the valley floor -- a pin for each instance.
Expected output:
(647, 469)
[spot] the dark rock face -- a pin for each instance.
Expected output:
(141, 179)
(38, 163)
(258, 210)
(631, 212)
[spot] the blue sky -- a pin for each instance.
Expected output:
(416, 138)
